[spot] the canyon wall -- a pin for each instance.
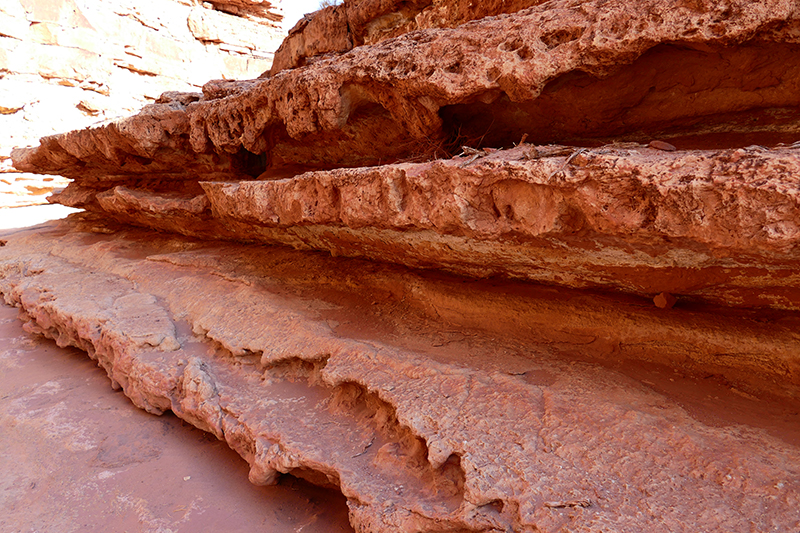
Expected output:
(525, 267)
(537, 145)
(67, 64)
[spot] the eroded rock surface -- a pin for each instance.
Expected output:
(56, 404)
(340, 28)
(370, 379)
(645, 149)
(719, 226)
(628, 74)
(715, 219)
(67, 64)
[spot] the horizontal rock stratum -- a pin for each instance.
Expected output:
(545, 268)
(715, 220)
(659, 71)
(67, 64)
(721, 226)
(433, 404)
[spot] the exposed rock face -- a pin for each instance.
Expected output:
(720, 226)
(56, 404)
(66, 64)
(487, 82)
(422, 399)
(647, 149)
(625, 216)
(340, 28)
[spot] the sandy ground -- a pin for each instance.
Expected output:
(76, 456)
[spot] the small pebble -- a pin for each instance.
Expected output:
(661, 145)
(664, 300)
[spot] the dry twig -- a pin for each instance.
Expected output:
(586, 502)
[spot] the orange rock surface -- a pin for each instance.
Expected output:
(715, 220)
(432, 403)
(545, 265)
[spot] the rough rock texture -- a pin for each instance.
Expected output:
(633, 72)
(416, 396)
(718, 224)
(66, 64)
(340, 28)
(645, 149)
(102, 457)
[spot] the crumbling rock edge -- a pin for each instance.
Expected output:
(709, 225)
(275, 160)
(489, 434)
(434, 407)
(418, 93)
(339, 28)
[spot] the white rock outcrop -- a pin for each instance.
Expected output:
(66, 64)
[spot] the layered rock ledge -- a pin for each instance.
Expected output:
(340, 28)
(68, 64)
(431, 404)
(569, 294)
(632, 72)
(714, 220)
(720, 226)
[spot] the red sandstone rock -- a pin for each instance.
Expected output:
(67, 65)
(701, 223)
(665, 300)
(661, 160)
(75, 456)
(696, 223)
(342, 372)
(337, 29)
(489, 82)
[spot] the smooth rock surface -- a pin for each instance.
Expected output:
(331, 369)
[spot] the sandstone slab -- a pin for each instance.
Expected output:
(485, 83)
(675, 169)
(339, 28)
(714, 226)
(103, 458)
(332, 370)
(67, 64)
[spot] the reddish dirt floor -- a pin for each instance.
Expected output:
(77, 456)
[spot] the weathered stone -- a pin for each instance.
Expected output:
(217, 27)
(647, 150)
(477, 427)
(258, 10)
(493, 80)
(706, 224)
(337, 29)
(70, 63)
(56, 403)
(718, 226)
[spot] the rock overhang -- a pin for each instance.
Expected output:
(644, 148)
(577, 93)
